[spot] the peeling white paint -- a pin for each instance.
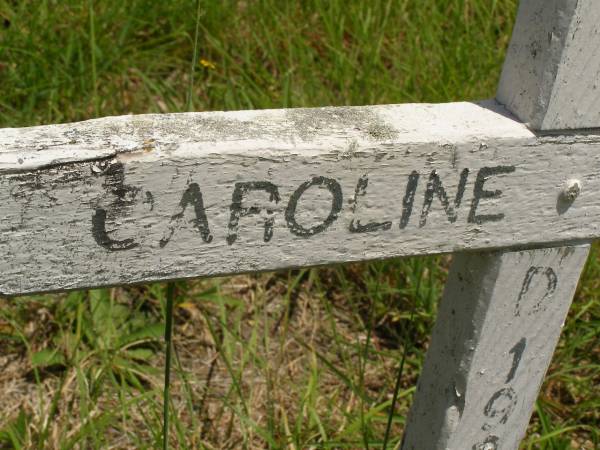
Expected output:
(551, 77)
(137, 169)
(507, 306)
(502, 312)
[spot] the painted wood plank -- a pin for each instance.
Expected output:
(498, 324)
(501, 313)
(551, 78)
(141, 198)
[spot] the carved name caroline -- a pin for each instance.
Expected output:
(141, 198)
(262, 198)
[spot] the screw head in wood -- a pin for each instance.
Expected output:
(571, 189)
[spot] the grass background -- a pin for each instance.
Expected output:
(297, 359)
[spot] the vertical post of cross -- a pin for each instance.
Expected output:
(501, 312)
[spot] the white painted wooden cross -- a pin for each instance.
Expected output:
(511, 185)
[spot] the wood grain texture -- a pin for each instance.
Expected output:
(497, 327)
(501, 313)
(141, 198)
(551, 77)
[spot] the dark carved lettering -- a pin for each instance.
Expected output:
(501, 405)
(238, 211)
(149, 200)
(435, 187)
(336, 206)
(409, 198)
(361, 190)
(191, 196)
(490, 443)
(552, 281)
(125, 195)
(101, 236)
(517, 352)
(480, 193)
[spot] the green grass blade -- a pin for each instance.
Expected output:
(168, 350)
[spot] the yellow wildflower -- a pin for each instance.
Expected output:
(208, 64)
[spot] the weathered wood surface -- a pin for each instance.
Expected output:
(501, 313)
(551, 77)
(497, 327)
(140, 198)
